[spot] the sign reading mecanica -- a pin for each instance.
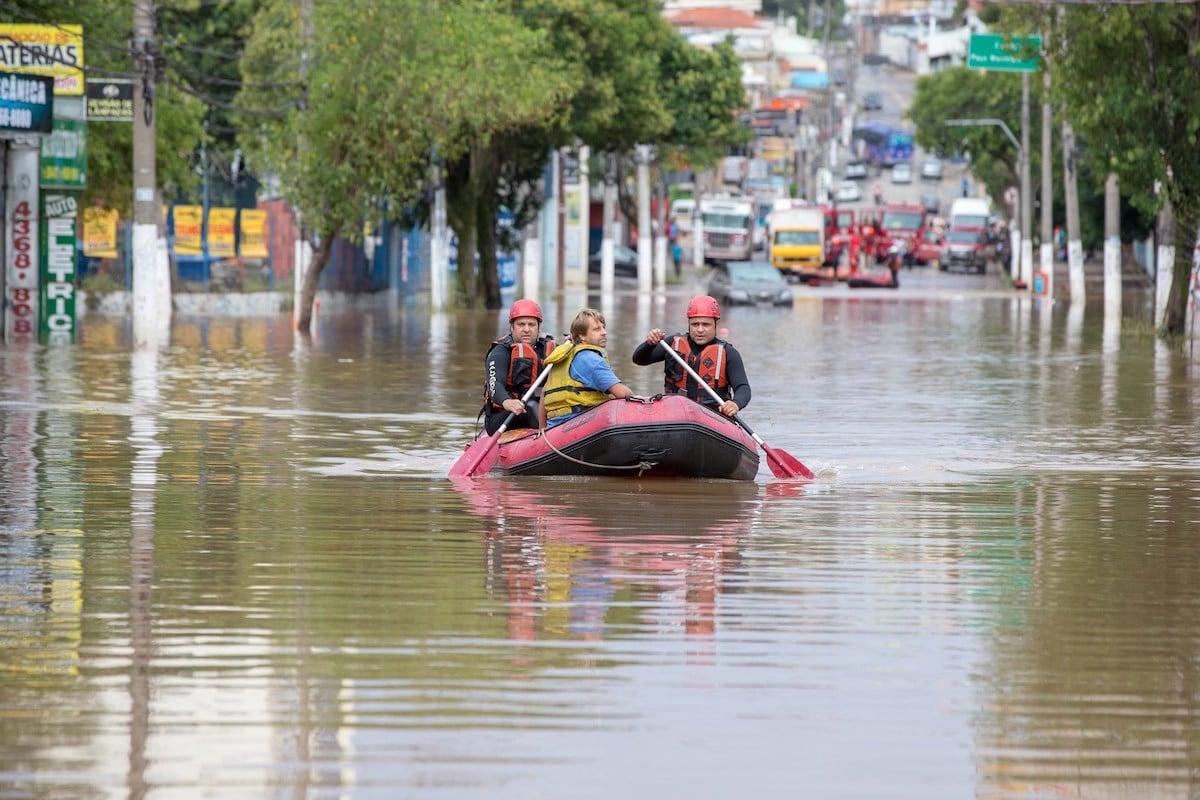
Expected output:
(1004, 53)
(54, 50)
(26, 103)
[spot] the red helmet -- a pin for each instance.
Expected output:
(704, 306)
(525, 308)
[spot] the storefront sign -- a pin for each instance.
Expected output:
(26, 103)
(20, 319)
(221, 242)
(54, 50)
(100, 232)
(64, 155)
(189, 228)
(253, 234)
(110, 100)
(58, 269)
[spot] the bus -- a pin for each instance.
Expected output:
(883, 145)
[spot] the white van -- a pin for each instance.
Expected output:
(970, 212)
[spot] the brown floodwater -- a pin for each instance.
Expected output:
(233, 567)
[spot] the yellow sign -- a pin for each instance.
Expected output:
(254, 234)
(189, 224)
(100, 232)
(220, 232)
(54, 50)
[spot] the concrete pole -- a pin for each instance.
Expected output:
(149, 312)
(645, 242)
(1112, 246)
(1071, 192)
(1164, 260)
(439, 254)
(1071, 198)
(1026, 188)
(607, 243)
(1047, 247)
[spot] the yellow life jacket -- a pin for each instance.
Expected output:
(563, 394)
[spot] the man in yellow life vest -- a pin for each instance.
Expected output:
(715, 360)
(580, 377)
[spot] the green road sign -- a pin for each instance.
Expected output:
(998, 52)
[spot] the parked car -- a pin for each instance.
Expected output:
(848, 192)
(749, 283)
(932, 170)
(625, 262)
(872, 101)
(902, 173)
(964, 248)
(931, 203)
(856, 170)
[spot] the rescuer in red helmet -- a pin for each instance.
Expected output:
(713, 359)
(512, 365)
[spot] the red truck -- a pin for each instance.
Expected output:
(900, 221)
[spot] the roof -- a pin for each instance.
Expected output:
(714, 18)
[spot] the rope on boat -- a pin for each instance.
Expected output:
(641, 466)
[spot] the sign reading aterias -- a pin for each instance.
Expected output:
(54, 50)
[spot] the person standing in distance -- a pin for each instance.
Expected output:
(580, 377)
(513, 363)
(713, 359)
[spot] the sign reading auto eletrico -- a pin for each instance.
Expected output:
(54, 50)
(58, 269)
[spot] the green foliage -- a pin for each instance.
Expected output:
(703, 89)
(1130, 76)
(962, 93)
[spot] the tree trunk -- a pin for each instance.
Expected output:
(1175, 319)
(485, 231)
(312, 279)
(485, 167)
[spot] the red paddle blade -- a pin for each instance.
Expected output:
(480, 456)
(784, 465)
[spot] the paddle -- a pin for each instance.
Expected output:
(782, 463)
(481, 454)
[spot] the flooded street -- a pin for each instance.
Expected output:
(234, 567)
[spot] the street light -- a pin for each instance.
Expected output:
(1026, 207)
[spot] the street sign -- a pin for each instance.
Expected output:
(1004, 53)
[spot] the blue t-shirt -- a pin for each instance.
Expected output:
(592, 370)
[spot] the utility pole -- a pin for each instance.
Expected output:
(1026, 188)
(1071, 197)
(149, 311)
(1112, 246)
(1047, 248)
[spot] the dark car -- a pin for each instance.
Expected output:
(964, 248)
(625, 262)
(749, 283)
(931, 203)
(872, 101)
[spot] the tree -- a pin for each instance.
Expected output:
(1130, 76)
(381, 100)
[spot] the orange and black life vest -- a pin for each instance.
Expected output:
(709, 364)
(525, 363)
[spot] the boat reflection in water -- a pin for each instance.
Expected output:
(600, 558)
